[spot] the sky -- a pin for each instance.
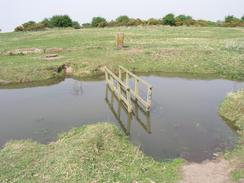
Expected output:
(16, 12)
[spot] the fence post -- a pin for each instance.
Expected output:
(120, 40)
(119, 90)
(149, 98)
(136, 88)
(112, 83)
(129, 105)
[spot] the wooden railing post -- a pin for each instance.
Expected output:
(129, 106)
(119, 90)
(118, 85)
(136, 88)
(149, 97)
(112, 83)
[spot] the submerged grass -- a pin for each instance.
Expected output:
(212, 50)
(92, 153)
(233, 110)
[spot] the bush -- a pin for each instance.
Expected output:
(30, 26)
(76, 25)
(35, 27)
(169, 20)
(122, 20)
(132, 22)
(112, 23)
(47, 23)
(153, 21)
(102, 24)
(183, 20)
(242, 18)
(61, 21)
(231, 21)
(98, 21)
(86, 25)
(19, 28)
(205, 23)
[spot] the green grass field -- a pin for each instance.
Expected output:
(232, 109)
(94, 153)
(100, 153)
(200, 51)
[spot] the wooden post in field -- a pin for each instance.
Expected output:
(120, 40)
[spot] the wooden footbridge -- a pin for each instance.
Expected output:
(120, 85)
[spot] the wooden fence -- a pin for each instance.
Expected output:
(121, 87)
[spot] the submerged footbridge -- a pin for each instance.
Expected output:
(126, 86)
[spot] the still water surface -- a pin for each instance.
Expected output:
(183, 121)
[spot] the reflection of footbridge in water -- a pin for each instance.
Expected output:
(138, 113)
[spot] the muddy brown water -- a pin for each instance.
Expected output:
(183, 121)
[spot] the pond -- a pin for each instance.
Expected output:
(183, 121)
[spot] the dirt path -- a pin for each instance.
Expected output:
(216, 171)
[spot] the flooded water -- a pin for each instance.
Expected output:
(183, 121)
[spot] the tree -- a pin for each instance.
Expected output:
(76, 25)
(231, 21)
(122, 20)
(230, 18)
(242, 18)
(153, 21)
(19, 28)
(98, 21)
(86, 25)
(183, 20)
(47, 23)
(61, 21)
(169, 19)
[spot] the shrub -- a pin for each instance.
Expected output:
(19, 28)
(98, 20)
(231, 21)
(76, 25)
(47, 23)
(132, 22)
(183, 20)
(169, 19)
(153, 21)
(30, 26)
(86, 25)
(102, 24)
(35, 27)
(122, 20)
(242, 18)
(112, 23)
(61, 21)
(205, 23)
(230, 18)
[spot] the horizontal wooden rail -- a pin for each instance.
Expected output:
(117, 85)
(148, 102)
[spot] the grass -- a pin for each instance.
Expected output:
(232, 109)
(192, 50)
(93, 153)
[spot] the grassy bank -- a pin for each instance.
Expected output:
(232, 109)
(218, 51)
(93, 153)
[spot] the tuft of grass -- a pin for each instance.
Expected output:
(233, 109)
(92, 153)
(193, 50)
